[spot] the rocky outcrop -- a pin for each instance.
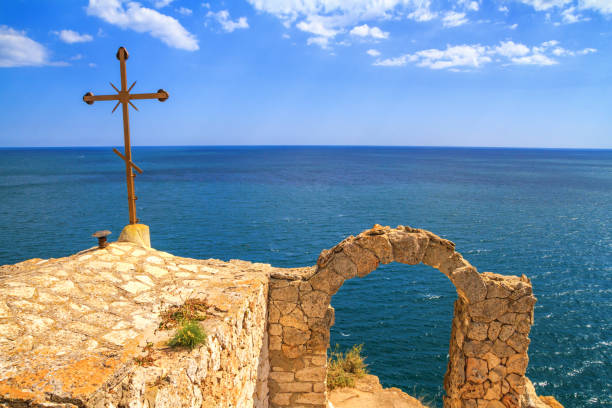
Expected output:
(368, 393)
(84, 331)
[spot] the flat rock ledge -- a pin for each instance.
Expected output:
(368, 393)
(75, 331)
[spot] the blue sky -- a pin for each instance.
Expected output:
(517, 73)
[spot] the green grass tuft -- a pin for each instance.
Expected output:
(344, 368)
(189, 335)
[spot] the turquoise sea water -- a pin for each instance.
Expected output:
(544, 213)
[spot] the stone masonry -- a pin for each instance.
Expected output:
(84, 331)
(489, 338)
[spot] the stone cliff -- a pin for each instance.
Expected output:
(85, 330)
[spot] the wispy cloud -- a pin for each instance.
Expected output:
(454, 19)
(71, 37)
(326, 19)
(227, 24)
(134, 16)
(367, 31)
(18, 50)
(184, 11)
(373, 53)
(469, 57)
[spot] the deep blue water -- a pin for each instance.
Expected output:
(544, 213)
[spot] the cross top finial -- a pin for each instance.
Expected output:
(124, 97)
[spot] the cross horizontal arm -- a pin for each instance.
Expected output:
(162, 96)
(93, 98)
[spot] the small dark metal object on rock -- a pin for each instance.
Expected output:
(101, 235)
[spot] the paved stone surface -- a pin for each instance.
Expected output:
(72, 331)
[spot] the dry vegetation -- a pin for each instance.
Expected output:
(344, 368)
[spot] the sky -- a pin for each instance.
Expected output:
(498, 73)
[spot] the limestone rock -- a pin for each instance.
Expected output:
(136, 234)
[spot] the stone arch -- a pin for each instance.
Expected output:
(488, 346)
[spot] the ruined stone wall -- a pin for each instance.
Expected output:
(488, 345)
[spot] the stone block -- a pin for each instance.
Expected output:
(409, 248)
(281, 376)
(311, 398)
(477, 331)
(136, 234)
(476, 370)
(287, 293)
(469, 284)
(343, 265)
(311, 374)
(488, 310)
(364, 260)
(326, 280)
(315, 303)
(378, 244)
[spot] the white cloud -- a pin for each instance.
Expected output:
(570, 16)
(540, 5)
(162, 3)
(367, 31)
(227, 24)
(318, 26)
(396, 62)
(184, 11)
(562, 52)
(453, 19)
(422, 13)
(17, 50)
(513, 26)
(322, 42)
(534, 59)
(71, 37)
(469, 57)
(373, 53)
(144, 20)
(511, 49)
(504, 9)
(91, 65)
(602, 6)
(328, 18)
(77, 57)
(469, 5)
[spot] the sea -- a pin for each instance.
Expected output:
(545, 213)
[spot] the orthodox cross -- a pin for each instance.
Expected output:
(124, 97)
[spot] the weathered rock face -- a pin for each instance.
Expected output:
(83, 331)
(490, 327)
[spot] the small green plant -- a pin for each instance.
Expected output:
(344, 368)
(189, 335)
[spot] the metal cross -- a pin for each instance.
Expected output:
(124, 97)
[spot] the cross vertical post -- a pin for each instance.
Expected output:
(124, 98)
(129, 174)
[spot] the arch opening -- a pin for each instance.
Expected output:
(488, 346)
